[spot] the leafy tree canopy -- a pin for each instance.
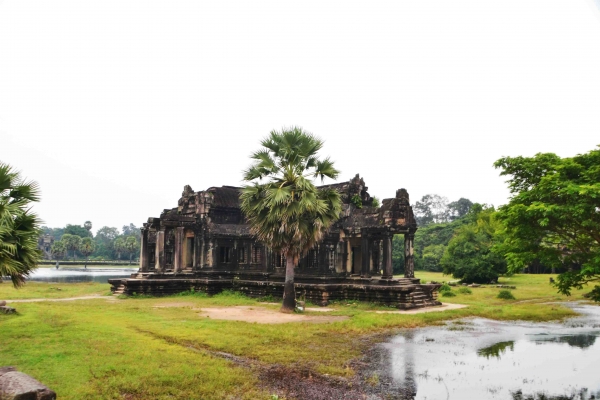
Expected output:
(470, 256)
(77, 230)
(553, 216)
(435, 209)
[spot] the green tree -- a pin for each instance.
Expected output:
(59, 249)
(432, 256)
(470, 256)
(72, 242)
(131, 244)
(105, 238)
(432, 208)
(119, 245)
(132, 230)
(88, 227)
(287, 212)
(375, 202)
(553, 216)
(19, 227)
(77, 230)
(86, 248)
(54, 232)
(459, 208)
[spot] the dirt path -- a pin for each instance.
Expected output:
(443, 307)
(264, 315)
(94, 296)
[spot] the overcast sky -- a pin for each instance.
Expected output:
(114, 106)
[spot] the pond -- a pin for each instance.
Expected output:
(75, 275)
(484, 359)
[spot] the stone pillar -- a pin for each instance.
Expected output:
(365, 253)
(388, 272)
(159, 254)
(233, 257)
(197, 252)
(144, 251)
(178, 251)
(409, 258)
(375, 257)
(210, 254)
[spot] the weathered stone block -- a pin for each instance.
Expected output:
(15, 385)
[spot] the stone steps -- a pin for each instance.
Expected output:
(119, 290)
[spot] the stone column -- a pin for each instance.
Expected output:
(388, 272)
(210, 254)
(197, 251)
(178, 251)
(144, 251)
(159, 254)
(409, 258)
(365, 253)
(375, 257)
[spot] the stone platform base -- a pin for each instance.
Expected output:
(403, 293)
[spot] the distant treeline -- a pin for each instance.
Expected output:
(77, 242)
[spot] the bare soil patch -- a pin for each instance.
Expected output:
(264, 316)
(178, 304)
(443, 307)
(94, 296)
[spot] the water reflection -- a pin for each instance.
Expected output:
(496, 350)
(494, 360)
(76, 275)
(582, 341)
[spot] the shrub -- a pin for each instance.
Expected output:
(464, 290)
(448, 293)
(445, 288)
(506, 295)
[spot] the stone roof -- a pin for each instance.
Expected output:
(226, 196)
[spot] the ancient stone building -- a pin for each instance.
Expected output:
(204, 244)
(45, 243)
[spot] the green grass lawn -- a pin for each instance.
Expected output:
(45, 290)
(129, 348)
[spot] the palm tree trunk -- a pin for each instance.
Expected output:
(289, 293)
(86, 260)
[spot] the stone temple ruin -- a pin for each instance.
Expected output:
(205, 245)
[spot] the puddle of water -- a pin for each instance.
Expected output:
(484, 359)
(75, 275)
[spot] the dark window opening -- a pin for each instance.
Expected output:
(242, 255)
(169, 257)
(189, 254)
(256, 255)
(224, 254)
(312, 259)
(279, 260)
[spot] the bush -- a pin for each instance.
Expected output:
(448, 293)
(445, 288)
(506, 295)
(464, 290)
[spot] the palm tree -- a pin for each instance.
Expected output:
(58, 251)
(72, 242)
(86, 248)
(287, 212)
(88, 226)
(19, 227)
(119, 245)
(131, 245)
